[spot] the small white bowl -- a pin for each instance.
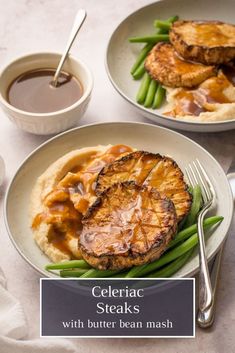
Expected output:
(46, 123)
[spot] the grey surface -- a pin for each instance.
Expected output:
(27, 26)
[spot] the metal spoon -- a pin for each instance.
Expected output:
(79, 19)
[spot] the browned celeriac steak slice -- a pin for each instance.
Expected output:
(164, 65)
(133, 166)
(150, 169)
(168, 178)
(208, 42)
(127, 225)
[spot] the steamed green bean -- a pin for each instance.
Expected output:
(141, 95)
(165, 25)
(155, 38)
(67, 265)
(173, 267)
(159, 97)
(94, 273)
(139, 72)
(142, 55)
(150, 94)
(187, 232)
(195, 208)
(182, 248)
(70, 273)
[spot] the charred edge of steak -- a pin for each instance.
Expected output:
(137, 155)
(119, 262)
(180, 40)
(200, 53)
(175, 165)
(166, 78)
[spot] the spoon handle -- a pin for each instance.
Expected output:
(79, 19)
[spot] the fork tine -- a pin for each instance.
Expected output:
(211, 188)
(203, 182)
(189, 177)
(193, 174)
(198, 181)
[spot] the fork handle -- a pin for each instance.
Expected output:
(205, 289)
(206, 318)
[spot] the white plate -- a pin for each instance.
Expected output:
(121, 54)
(141, 136)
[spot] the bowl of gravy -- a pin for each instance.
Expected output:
(33, 104)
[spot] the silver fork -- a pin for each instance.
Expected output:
(196, 175)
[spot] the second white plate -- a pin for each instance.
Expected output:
(121, 54)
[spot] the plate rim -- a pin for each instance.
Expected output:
(58, 136)
(140, 107)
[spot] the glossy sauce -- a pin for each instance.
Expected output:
(186, 104)
(135, 224)
(194, 102)
(176, 61)
(67, 202)
(210, 34)
(58, 239)
(32, 91)
(213, 89)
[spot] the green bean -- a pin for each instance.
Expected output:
(119, 275)
(171, 255)
(165, 25)
(169, 270)
(67, 264)
(187, 232)
(161, 31)
(82, 272)
(93, 273)
(142, 55)
(138, 68)
(143, 88)
(195, 208)
(150, 94)
(71, 273)
(155, 38)
(173, 19)
(190, 189)
(181, 225)
(159, 97)
(139, 72)
(140, 271)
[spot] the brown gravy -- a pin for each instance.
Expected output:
(210, 34)
(32, 91)
(63, 214)
(195, 101)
